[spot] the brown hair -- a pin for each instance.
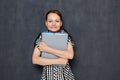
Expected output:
(56, 12)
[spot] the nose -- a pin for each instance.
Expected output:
(53, 23)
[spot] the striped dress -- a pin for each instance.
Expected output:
(56, 72)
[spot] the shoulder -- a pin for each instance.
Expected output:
(37, 39)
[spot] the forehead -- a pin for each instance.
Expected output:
(53, 16)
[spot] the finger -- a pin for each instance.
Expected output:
(38, 47)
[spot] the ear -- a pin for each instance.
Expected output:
(45, 22)
(61, 23)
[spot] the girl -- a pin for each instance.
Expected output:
(54, 69)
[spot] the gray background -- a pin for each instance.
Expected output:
(93, 24)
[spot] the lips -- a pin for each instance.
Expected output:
(53, 27)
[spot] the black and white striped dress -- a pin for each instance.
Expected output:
(56, 72)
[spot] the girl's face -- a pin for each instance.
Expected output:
(53, 22)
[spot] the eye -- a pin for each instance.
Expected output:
(57, 21)
(50, 21)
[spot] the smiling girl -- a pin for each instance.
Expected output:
(54, 69)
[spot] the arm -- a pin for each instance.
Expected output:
(36, 59)
(66, 54)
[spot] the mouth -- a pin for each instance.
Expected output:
(53, 27)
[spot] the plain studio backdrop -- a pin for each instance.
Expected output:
(93, 24)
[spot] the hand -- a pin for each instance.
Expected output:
(43, 47)
(63, 61)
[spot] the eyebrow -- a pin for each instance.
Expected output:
(52, 19)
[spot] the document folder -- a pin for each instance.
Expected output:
(54, 40)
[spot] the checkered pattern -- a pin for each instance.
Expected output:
(57, 72)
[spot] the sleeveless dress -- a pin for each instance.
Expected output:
(56, 72)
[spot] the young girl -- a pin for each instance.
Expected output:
(54, 69)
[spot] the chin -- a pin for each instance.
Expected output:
(54, 30)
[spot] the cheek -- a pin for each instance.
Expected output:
(48, 24)
(60, 24)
